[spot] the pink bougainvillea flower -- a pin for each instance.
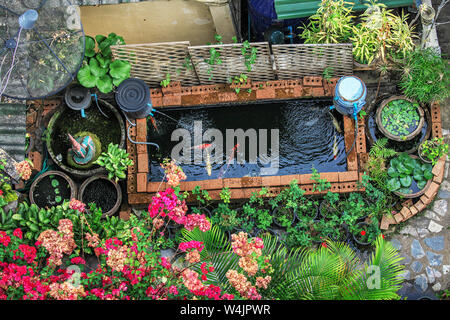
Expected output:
(75, 204)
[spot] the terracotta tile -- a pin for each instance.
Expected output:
(251, 182)
(141, 129)
(313, 81)
(216, 184)
(142, 163)
(318, 92)
(398, 217)
(332, 176)
(298, 91)
(286, 179)
(432, 190)
(141, 182)
(231, 182)
(348, 176)
(156, 186)
(413, 210)
(268, 181)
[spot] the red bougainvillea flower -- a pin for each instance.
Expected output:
(324, 244)
(382, 236)
(1, 192)
(363, 233)
(78, 260)
(17, 233)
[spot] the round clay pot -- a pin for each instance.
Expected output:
(391, 136)
(77, 172)
(35, 186)
(116, 186)
(419, 152)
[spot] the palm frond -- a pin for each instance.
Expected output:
(217, 251)
(380, 278)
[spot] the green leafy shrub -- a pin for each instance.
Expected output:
(433, 149)
(426, 76)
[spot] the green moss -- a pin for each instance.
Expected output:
(98, 151)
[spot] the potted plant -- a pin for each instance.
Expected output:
(329, 207)
(285, 205)
(225, 217)
(262, 217)
(51, 189)
(307, 207)
(400, 118)
(332, 23)
(104, 192)
(364, 233)
(426, 76)
(204, 202)
(116, 161)
(430, 151)
(299, 235)
(408, 176)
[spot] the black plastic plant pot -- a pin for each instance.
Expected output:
(357, 237)
(203, 210)
(343, 234)
(315, 212)
(324, 213)
(269, 231)
(104, 192)
(133, 97)
(77, 97)
(274, 214)
(51, 189)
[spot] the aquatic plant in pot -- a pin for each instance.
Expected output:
(400, 118)
(430, 151)
(408, 176)
(51, 189)
(104, 192)
(225, 217)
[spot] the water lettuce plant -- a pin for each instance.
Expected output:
(404, 170)
(115, 161)
(400, 117)
(99, 69)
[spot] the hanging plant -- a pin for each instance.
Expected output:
(99, 69)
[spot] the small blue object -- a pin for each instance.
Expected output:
(350, 95)
(28, 19)
(83, 115)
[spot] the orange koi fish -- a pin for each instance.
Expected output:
(233, 151)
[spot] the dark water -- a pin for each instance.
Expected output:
(306, 138)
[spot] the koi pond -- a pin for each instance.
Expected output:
(231, 141)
